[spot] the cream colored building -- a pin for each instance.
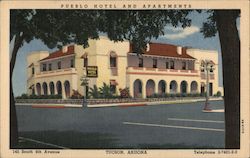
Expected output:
(163, 68)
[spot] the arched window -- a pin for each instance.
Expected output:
(183, 87)
(67, 88)
(52, 88)
(45, 88)
(173, 87)
(59, 87)
(150, 88)
(38, 88)
(162, 87)
(194, 87)
(137, 88)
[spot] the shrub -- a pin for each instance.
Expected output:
(178, 95)
(203, 94)
(75, 95)
(218, 94)
(124, 93)
(164, 95)
(172, 95)
(183, 94)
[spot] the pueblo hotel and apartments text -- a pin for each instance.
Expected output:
(124, 6)
(162, 68)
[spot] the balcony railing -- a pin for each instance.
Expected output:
(57, 72)
(161, 71)
(203, 76)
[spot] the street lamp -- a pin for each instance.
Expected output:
(85, 82)
(207, 66)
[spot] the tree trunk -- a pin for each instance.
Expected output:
(13, 116)
(230, 49)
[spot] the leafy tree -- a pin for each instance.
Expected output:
(139, 27)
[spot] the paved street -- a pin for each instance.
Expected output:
(157, 126)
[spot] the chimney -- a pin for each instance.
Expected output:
(179, 50)
(65, 49)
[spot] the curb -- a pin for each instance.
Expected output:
(114, 104)
(50, 105)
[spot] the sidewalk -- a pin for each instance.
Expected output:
(151, 103)
(115, 104)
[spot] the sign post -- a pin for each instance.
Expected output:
(91, 72)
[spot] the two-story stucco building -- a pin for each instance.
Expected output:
(163, 68)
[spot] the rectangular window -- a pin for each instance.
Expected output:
(33, 70)
(112, 61)
(154, 63)
(171, 64)
(167, 65)
(85, 62)
(184, 65)
(44, 67)
(140, 62)
(59, 65)
(50, 67)
(71, 63)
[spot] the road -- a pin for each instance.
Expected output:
(156, 126)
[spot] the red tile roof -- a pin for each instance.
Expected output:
(168, 50)
(59, 53)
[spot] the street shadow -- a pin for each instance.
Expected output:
(67, 139)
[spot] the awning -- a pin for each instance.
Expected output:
(211, 62)
(32, 64)
(113, 54)
(113, 82)
(31, 87)
(85, 55)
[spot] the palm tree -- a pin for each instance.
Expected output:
(94, 92)
(105, 91)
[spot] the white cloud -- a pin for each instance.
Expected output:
(179, 33)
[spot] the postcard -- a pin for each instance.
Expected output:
(124, 78)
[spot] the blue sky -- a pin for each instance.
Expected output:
(190, 36)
